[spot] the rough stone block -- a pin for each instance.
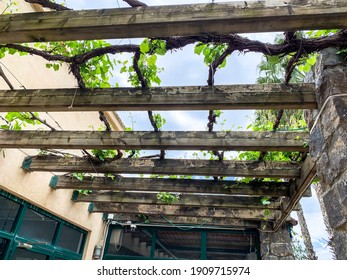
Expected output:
(287, 258)
(340, 241)
(281, 249)
(316, 142)
(270, 257)
(323, 171)
(335, 212)
(265, 249)
(341, 187)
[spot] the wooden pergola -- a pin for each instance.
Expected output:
(213, 202)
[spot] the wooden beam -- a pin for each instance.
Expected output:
(185, 211)
(118, 183)
(163, 140)
(174, 20)
(189, 221)
(298, 188)
(253, 96)
(166, 167)
(185, 199)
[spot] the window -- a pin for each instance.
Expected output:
(71, 239)
(155, 242)
(38, 227)
(8, 213)
(23, 254)
(3, 247)
(34, 234)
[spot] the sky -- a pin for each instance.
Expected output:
(183, 68)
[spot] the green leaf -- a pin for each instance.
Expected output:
(265, 200)
(199, 48)
(56, 67)
(151, 60)
(12, 51)
(144, 46)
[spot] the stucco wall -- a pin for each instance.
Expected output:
(31, 72)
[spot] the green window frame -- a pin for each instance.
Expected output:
(154, 232)
(15, 241)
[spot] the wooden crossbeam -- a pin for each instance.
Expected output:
(252, 96)
(179, 221)
(167, 167)
(186, 211)
(119, 183)
(185, 199)
(298, 188)
(148, 140)
(174, 20)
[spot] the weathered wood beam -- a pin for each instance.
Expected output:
(162, 140)
(189, 221)
(119, 183)
(235, 202)
(252, 96)
(186, 211)
(166, 167)
(298, 188)
(174, 20)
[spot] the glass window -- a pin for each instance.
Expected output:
(24, 254)
(136, 243)
(38, 226)
(178, 244)
(3, 247)
(229, 246)
(70, 239)
(8, 213)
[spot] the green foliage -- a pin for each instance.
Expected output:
(18, 120)
(84, 192)
(153, 46)
(211, 52)
(95, 72)
(320, 33)
(10, 7)
(143, 217)
(159, 120)
(298, 248)
(149, 70)
(103, 155)
(79, 176)
(168, 197)
(267, 213)
(265, 200)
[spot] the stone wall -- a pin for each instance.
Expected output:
(328, 144)
(276, 245)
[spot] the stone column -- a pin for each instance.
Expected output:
(276, 245)
(328, 144)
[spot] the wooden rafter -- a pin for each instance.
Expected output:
(186, 211)
(166, 167)
(119, 183)
(180, 220)
(185, 199)
(298, 188)
(194, 19)
(257, 96)
(149, 140)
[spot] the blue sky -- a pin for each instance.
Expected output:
(183, 67)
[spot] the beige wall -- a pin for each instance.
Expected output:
(30, 72)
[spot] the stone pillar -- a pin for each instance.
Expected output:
(276, 245)
(328, 144)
